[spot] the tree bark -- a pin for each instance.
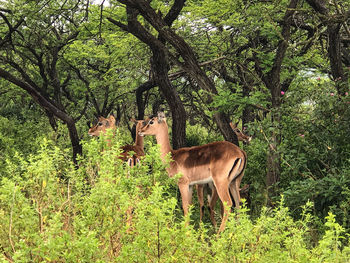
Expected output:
(139, 97)
(159, 69)
(335, 47)
(49, 106)
(189, 64)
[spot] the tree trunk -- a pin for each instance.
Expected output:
(160, 68)
(334, 45)
(74, 138)
(139, 97)
(52, 120)
(335, 58)
(190, 64)
(223, 122)
(49, 106)
(273, 83)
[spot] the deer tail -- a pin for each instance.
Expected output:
(236, 169)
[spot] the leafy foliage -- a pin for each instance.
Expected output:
(49, 213)
(315, 148)
(100, 210)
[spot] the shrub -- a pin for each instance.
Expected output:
(105, 211)
(315, 150)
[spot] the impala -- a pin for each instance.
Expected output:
(214, 196)
(103, 124)
(217, 162)
(240, 135)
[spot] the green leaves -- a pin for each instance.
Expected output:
(229, 101)
(132, 215)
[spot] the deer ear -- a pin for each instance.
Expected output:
(234, 125)
(112, 120)
(161, 116)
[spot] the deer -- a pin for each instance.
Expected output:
(221, 162)
(103, 124)
(240, 135)
(214, 196)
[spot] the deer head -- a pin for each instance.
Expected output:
(240, 135)
(103, 124)
(152, 125)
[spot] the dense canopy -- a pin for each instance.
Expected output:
(278, 69)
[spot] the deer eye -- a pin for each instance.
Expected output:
(151, 122)
(100, 124)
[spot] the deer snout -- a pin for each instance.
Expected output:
(247, 139)
(92, 132)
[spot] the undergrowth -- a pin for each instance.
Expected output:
(104, 211)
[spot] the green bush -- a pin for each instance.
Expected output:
(315, 150)
(198, 135)
(17, 138)
(255, 174)
(105, 211)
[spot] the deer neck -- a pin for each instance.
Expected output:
(163, 140)
(139, 141)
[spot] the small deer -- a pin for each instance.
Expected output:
(103, 124)
(240, 135)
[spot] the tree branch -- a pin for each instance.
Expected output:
(44, 102)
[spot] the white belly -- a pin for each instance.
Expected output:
(203, 181)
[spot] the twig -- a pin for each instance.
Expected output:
(6, 255)
(41, 222)
(10, 226)
(68, 198)
(178, 74)
(158, 241)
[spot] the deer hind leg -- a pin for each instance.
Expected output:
(224, 195)
(234, 189)
(200, 196)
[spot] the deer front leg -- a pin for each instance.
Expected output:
(186, 196)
